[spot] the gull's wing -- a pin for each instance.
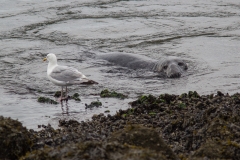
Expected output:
(66, 74)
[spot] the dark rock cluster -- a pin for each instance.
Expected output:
(194, 126)
(126, 144)
(14, 139)
(187, 126)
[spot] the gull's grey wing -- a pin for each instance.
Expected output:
(64, 73)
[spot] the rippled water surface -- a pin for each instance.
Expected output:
(205, 33)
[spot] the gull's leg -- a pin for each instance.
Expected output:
(66, 94)
(61, 93)
(61, 98)
(65, 97)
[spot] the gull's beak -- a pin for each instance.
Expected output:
(44, 59)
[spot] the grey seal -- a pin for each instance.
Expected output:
(171, 67)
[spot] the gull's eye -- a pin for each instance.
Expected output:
(164, 67)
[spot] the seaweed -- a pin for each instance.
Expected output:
(46, 100)
(105, 93)
(93, 104)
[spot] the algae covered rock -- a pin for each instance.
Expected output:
(188, 120)
(192, 126)
(145, 144)
(223, 144)
(107, 93)
(46, 100)
(93, 150)
(14, 139)
(58, 94)
(75, 96)
(93, 104)
(213, 149)
(139, 136)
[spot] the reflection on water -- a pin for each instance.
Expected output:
(65, 109)
(205, 33)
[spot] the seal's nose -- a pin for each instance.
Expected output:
(174, 71)
(176, 75)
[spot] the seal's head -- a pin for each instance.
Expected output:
(172, 67)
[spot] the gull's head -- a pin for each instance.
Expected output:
(51, 58)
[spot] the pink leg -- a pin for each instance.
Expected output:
(61, 97)
(66, 92)
(66, 96)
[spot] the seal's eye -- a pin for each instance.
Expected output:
(180, 64)
(164, 67)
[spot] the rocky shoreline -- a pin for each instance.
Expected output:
(187, 126)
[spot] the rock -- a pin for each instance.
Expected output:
(218, 150)
(106, 93)
(220, 93)
(58, 94)
(94, 150)
(14, 139)
(46, 100)
(93, 104)
(139, 136)
(192, 127)
(75, 96)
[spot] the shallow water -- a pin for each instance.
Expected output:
(205, 33)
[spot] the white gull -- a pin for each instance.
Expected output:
(64, 75)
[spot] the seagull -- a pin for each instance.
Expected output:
(64, 75)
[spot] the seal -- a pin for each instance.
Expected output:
(171, 67)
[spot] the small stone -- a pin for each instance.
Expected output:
(107, 111)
